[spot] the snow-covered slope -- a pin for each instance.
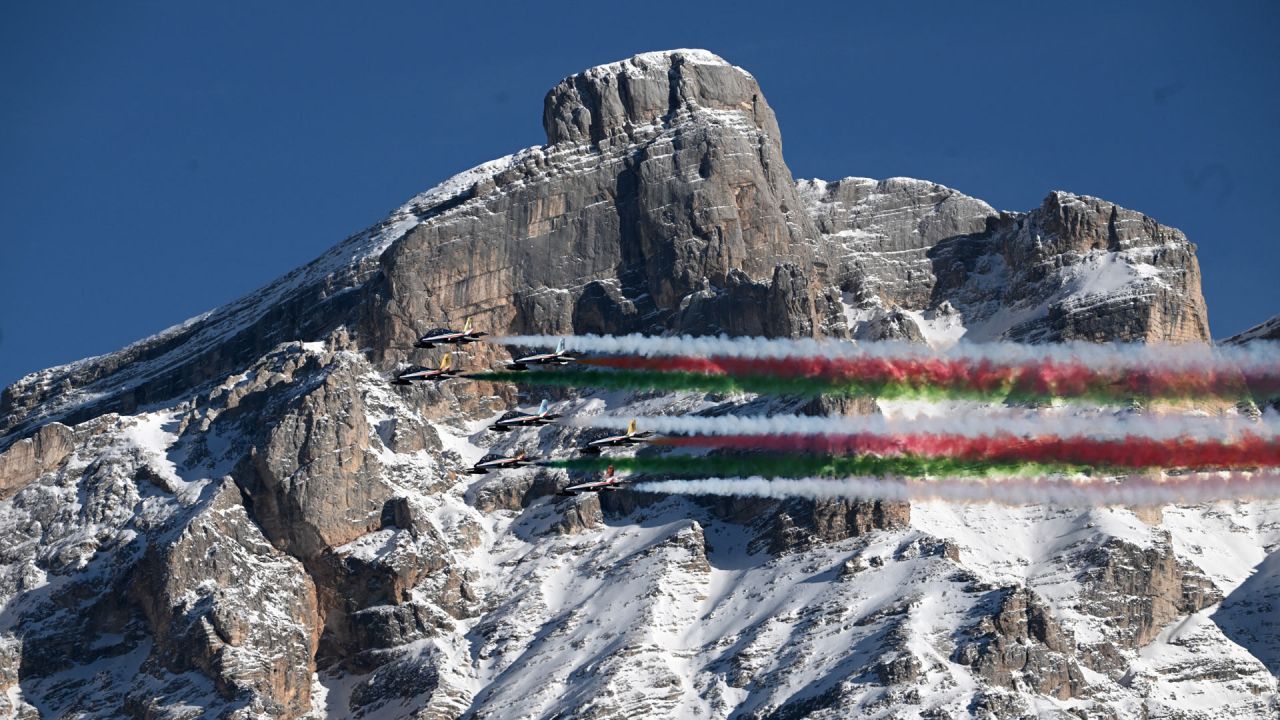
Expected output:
(488, 597)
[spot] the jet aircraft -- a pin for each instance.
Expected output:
(607, 483)
(445, 336)
(494, 461)
(559, 357)
(630, 437)
(515, 419)
(444, 372)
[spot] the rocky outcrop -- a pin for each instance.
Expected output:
(881, 232)
(314, 481)
(783, 307)
(1076, 268)
(1021, 646)
(802, 524)
(221, 601)
(31, 457)
(1136, 591)
(685, 206)
(609, 104)
(888, 324)
(1104, 273)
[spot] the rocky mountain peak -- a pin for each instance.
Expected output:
(240, 517)
(619, 101)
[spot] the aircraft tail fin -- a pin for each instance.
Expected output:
(631, 428)
(466, 327)
(560, 347)
(542, 408)
(446, 362)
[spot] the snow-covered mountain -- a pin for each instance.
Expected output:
(240, 517)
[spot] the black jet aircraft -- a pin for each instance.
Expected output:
(444, 372)
(607, 483)
(493, 461)
(517, 419)
(559, 357)
(445, 336)
(630, 437)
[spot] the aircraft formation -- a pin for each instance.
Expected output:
(1013, 455)
(517, 419)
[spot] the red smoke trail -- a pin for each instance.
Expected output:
(1248, 451)
(1045, 378)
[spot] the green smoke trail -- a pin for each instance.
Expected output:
(700, 382)
(787, 465)
(762, 385)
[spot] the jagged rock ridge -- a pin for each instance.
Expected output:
(347, 567)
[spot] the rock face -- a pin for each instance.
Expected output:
(1136, 592)
(282, 534)
(221, 601)
(316, 483)
(660, 199)
(1022, 646)
(31, 457)
(1076, 268)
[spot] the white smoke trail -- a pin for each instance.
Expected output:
(1202, 487)
(1255, 357)
(1023, 424)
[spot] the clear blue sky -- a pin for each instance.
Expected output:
(161, 159)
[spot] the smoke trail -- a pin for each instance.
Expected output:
(1004, 422)
(904, 379)
(1129, 452)
(1031, 380)
(755, 384)
(641, 380)
(806, 466)
(1257, 356)
(1207, 487)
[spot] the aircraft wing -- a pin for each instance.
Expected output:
(407, 378)
(596, 486)
(607, 441)
(438, 335)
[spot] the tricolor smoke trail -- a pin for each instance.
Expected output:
(804, 466)
(1131, 452)
(1002, 422)
(892, 369)
(643, 380)
(904, 377)
(1206, 487)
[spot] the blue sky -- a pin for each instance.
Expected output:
(161, 159)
